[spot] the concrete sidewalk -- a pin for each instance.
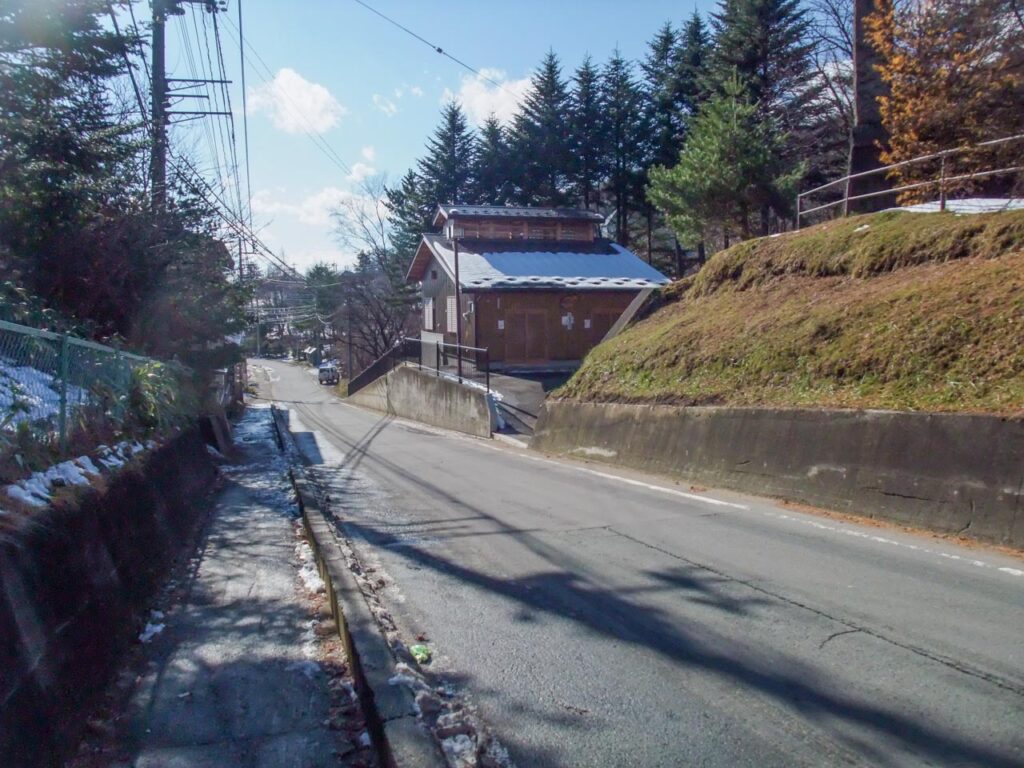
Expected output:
(234, 678)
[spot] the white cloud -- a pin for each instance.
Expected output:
(369, 153)
(314, 209)
(385, 105)
(481, 98)
(361, 172)
(304, 258)
(408, 90)
(295, 105)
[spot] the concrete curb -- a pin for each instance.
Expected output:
(398, 738)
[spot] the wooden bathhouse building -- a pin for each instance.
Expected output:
(539, 287)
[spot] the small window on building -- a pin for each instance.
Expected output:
(428, 315)
(433, 274)
(452, 318)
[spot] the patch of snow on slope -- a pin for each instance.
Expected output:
(969, 205)
(37, 489)
(30, 395)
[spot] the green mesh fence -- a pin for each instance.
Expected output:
(52, 384)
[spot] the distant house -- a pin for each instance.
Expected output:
(539, 285)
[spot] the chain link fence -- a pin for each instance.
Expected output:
(55, 388)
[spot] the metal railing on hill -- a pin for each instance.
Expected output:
(944, 179)
(450, 360)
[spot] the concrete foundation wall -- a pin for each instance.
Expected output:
(422, 396)
(947, 473)
(72, 580)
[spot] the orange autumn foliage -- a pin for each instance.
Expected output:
(955, 70)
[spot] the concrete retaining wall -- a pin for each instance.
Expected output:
(946, 473)
(423, 396)
(72, 579)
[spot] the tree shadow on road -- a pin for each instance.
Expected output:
(568, 593)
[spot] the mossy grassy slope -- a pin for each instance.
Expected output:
(892, 310)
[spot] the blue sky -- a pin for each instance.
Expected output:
(373, 93)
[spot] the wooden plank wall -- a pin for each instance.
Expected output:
(437, 285)
(533, 323)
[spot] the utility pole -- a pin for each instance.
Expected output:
(348, 333)
(458, 307)
(161, 112)
(158, 160)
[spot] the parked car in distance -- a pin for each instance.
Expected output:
(328, 374)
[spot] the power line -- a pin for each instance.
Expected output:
(437, 49)
(320, 142)
(198, 77)
(223, 211)
(230, 119)
(245, 117)
(128, 62)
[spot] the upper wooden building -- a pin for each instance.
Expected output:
(539, 286)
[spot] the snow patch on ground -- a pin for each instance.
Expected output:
(153, 628)
(308, 572)
(460, 750)
(31, 395)
(37, 489)
(969, 205)
(466, 382)
(267, 476)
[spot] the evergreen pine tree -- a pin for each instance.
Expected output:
(728, 170)
(409, 215)
(541, 141)
(446, 170)
(623, 100)
(490, 165)
(692, 62)
(589, 133)
(765, 42)
(661, 110)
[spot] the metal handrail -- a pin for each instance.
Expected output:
(402, 352)
(459, 350)
(941, 181)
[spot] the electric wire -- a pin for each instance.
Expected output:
(320, 142)
(229, 119)
(215, 125)
(245, 117)
(197, 182)
(437, 48)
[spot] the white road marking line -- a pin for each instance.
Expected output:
(882, 540)
(641, 484)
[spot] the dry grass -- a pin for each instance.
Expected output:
(895, 310)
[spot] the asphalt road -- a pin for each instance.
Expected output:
(597, 617)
